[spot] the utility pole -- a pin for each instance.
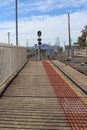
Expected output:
(8, 37)
(69, 35)
(64, 45)
(27, 43)
(58, 40)
(16, 11)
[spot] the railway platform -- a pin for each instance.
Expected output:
(41, 98)
(77, 77)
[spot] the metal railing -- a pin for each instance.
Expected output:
(11, 59)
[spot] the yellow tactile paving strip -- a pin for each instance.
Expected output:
(74, 108)
(70, 84)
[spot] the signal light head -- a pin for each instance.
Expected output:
(39, 39)
(39, 43)
(39, 33)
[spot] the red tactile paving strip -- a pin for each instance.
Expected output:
(74, 108)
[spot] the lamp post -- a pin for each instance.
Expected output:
(16, 11)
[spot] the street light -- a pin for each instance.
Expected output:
(16, 11)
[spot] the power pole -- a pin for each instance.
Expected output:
(69, 35)
(8, 37)
(16, 11)
(27, 43)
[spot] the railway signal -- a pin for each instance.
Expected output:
(39, 33)
(39, 41)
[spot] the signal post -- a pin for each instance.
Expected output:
(39, 43)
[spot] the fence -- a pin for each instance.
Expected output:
(80, 51)
(11, 59)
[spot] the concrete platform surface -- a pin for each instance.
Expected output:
(78, 77)
(30, 102)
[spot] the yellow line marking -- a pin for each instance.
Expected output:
(63, 77)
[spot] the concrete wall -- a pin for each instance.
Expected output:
(11, 59)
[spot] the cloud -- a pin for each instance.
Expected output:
(51, 27)
(50, 5)
(54, 26)
(4, 3)
(44, 5)
(41, 15)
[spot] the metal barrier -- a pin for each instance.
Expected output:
(11, 59)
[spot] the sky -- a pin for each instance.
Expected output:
(48, 16)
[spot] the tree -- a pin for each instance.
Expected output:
(82, 38)
(81, 41)
(84, 32)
